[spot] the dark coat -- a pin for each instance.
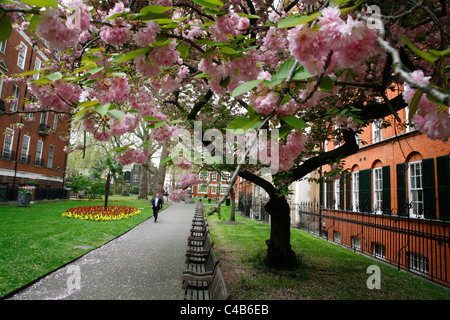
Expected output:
(160, 203)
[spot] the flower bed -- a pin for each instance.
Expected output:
(98, 213)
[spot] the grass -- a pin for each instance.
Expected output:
(37, 239)
(325, 271)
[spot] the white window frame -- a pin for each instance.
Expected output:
(9, 140)
(22, 56)
(379, 250)
(336, 236)
(39, 152)
(203, 189)
(223, 188)
(377, 131)
(213, 176)
(37, 66)
(25, 148)
(377, 190)
(418, 263)
(16, 95)
(3, 46)
(44, 117)
(337, 193)
(135, 177)
(55, 121)
(355, 191)
(415, 189)
(356, 243)
(51, 152)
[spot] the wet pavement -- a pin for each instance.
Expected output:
(144, 264)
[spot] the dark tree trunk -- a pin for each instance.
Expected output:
(279, 252)
(108, 185)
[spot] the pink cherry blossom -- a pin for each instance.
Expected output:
(146, 36)
(187, 180)
(52, 30)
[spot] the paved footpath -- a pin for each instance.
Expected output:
(144, 264)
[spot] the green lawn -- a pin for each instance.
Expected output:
(325, 272)
(37, 239)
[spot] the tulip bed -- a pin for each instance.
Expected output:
(98, 213)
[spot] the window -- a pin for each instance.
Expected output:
(37, 66)
(15, 95)
(418, 263)
(51, 150)
(415, 189)
(223, 189)
(379, 250)
(377, 190)
(356, 243)
(203, 175)
(337, 193)
(55, 121)
(21, 58)
(355, 188)
(203, 188)
(135, 177)
(39, 148)
(377, 131)
(8, 144)
(3, 46)
(25, 148)
(337, 236)
(44, 118)
(213, 176)
(214, 189)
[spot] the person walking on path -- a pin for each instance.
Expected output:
(157, 204)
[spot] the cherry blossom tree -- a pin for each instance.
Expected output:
(305, 70)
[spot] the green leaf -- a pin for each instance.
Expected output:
(295, 122)
(120, 58)
(41, 3)
(154, 9)
(54, 76)
(245, 87)
(423, 54)
(183, 49)
(5, 27)
(118, 114)
(414, 104)
(296, 20)
(211, 4)
(326, 85)
(151, 119)
(102, 109)
(440, 53)
(28, 73)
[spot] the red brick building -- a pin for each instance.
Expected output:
(393, 203)
(36, 150)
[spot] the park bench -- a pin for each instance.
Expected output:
(202, 278)
(209, 286)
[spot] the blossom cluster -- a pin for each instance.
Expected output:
(187, 180)
(132, 155)
(429, 118)
(99, 213)
(177, 194)
(351, 42)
